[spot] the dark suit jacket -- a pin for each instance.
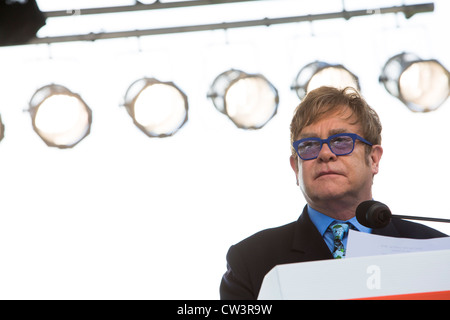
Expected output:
(252, 258)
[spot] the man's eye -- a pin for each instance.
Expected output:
(308, 145)
(341, 140)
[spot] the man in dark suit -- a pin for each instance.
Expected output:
(336, 151)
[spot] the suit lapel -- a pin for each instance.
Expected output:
(308, 240)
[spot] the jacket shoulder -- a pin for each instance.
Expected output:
(268, 236)
(409, 229)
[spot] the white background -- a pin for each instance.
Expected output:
(123, 216)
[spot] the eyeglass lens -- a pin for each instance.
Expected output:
(339, 145)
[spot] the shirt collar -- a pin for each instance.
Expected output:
(322, 221)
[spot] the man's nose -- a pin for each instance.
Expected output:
(326, 154)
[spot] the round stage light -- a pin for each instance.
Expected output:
(2, 129)
(318, 73)
(422, 85)
(249, 100)
(157, 108)
(60, 117)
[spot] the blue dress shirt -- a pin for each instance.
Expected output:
(322, 222)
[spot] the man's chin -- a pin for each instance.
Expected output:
(326, 195)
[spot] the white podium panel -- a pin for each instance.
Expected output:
(418, 275)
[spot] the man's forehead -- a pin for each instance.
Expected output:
(349, 120)
(308, 134)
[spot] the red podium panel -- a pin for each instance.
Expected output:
(440, 295)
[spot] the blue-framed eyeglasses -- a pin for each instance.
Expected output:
(340, 144)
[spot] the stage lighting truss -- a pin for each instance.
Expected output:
(157, 108)
(319, 73)
(60, 117)
(422, 85)
(249, 100)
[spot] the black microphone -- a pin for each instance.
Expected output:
(375, 215)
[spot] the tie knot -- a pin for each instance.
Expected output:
(339, 230)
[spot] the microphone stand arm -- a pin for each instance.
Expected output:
(421, 218)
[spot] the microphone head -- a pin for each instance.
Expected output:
(373, 214)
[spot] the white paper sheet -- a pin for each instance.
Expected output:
(362, 244)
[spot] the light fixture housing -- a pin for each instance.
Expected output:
(60, 117)
(2, 129)
(422, 85)
(319, 73)
(249, 100)
(159, 109)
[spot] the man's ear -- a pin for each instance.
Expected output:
(375, 157)
(294, 166)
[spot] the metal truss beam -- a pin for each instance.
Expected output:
(407, 10)
(139, 7)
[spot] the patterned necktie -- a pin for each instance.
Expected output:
(339, 230)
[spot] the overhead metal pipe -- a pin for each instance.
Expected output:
(407, 10)
(139, 7)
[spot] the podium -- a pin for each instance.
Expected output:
(418, 275)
